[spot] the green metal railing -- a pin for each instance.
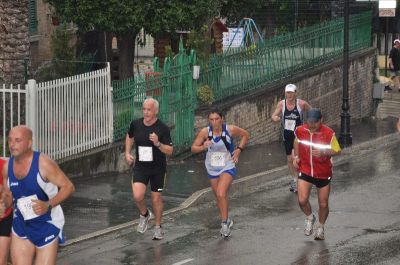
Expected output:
(173, 88)
(232, 73)
(243, 69)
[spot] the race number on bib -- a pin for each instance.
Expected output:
(25, 207)
(217, 159)
(145, 153)
(290, 125)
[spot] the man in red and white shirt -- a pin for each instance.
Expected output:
(314, 145)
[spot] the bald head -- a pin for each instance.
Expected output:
(20, 141)
(24, 130)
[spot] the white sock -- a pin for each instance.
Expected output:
(310, 217)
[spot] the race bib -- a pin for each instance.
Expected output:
(145, 153)
(25, 207)
(217, 159)
(290, 125)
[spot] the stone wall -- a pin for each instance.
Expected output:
(14, 40)
(321, 87)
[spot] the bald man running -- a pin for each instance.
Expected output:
(37, 186)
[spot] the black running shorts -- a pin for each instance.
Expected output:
(319, 183)
(5, 225)
(155, 177)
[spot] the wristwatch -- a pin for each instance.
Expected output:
(158, 144)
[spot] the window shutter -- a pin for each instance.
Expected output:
(32, 17)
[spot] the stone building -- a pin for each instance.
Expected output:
(14, 40)
(25, 31)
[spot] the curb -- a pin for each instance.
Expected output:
(245, 184)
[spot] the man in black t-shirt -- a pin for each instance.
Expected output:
(153, 142)
(394, 63)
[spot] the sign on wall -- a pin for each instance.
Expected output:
(230, 36)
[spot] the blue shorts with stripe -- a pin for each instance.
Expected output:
(40, 233)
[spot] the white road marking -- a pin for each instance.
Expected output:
(183, 262)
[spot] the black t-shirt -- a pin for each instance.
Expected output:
(141, 134)
(395, 56)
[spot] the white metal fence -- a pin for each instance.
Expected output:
(13, 99)
(70, 115)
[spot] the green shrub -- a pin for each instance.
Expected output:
(205, 95)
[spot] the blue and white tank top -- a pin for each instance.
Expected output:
(219, 154)
(33, 186)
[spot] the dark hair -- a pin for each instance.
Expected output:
(219, 112)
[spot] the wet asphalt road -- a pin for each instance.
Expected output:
(104, 201)
(363, 226)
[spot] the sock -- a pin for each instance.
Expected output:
(157, 226)
(321, 225)
(310, 217)
(146, 214)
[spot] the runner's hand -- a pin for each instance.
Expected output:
(296, 162)
(235, 156)
(154, 138)
(318, 153)
(40, 207)
(2, 208)
(129, 159)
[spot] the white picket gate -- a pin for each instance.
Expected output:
(70, 115)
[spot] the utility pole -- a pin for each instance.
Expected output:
(345, 138)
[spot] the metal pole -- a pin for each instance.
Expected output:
(26, 76)
(386, 43)
(345, 138)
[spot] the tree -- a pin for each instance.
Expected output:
(122, 17)
(125, 18)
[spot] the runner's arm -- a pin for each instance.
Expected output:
(199, 142)
(276, 116)
(244, 138)
(128, 149)
(306, 106)
(50, 171)
(5, 193)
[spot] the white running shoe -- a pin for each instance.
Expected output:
(158, 233)
(320, 234)
(226, 228)
(308, 226)
(144, 222)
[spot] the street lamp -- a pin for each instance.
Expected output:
(345, 138)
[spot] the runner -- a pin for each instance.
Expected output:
(37, 186)
(5, 223)
(289, 113)
(221, 157)
(314, 146)
(153, 142)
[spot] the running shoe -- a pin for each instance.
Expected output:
(308, 229)
(226, 228)
(158, 233)
(144, 222)
(293, 186)
(319, 235)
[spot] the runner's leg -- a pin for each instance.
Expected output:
(47, 255)
(22, 251)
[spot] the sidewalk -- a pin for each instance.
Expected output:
(104, 203)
